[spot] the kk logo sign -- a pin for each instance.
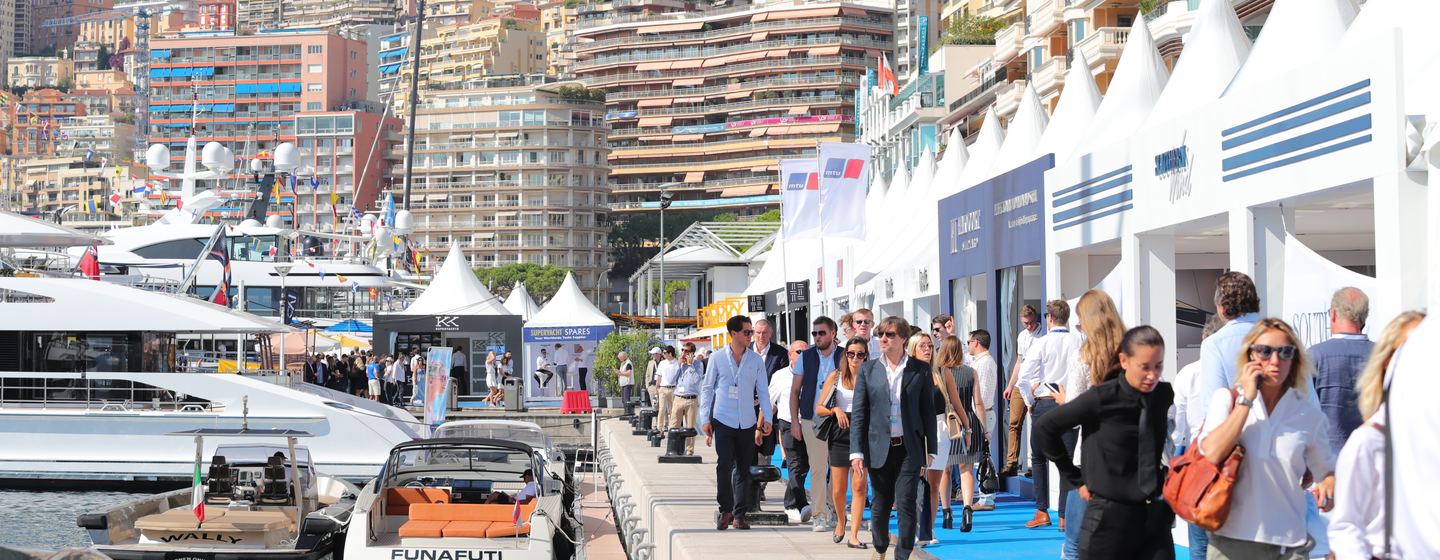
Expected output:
(802, 181)
(447, 323)
(840, 168)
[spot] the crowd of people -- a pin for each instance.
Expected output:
(887, 416)
(390, 378)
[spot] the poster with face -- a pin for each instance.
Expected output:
(559, 359)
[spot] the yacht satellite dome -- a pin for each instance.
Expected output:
(213, 155)
(286, 157)
(251, 222)
(274, 221)
(157, 158)
(404, 222)
(367, 223)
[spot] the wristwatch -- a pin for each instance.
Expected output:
(1240, 400)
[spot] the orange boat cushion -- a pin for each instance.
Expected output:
(474, 529)
(500, 513)
(398, 500)
(427, 529)
(507, 530)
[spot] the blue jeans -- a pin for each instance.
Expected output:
(1199, 543)
(1075, 516)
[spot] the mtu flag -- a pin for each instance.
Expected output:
(844, 173)
(799, 199)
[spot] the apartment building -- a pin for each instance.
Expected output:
(557, 20)
(705, 103)
(35, 121)
(56, 25)
(513, 168)
(53, 184)
(96, 135)
(452, 56)
(345, 153)
(917, 32)
(38, 71)
(7, 31)
(901, 127)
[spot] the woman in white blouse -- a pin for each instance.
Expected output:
(1357, 526)
(1284, 434)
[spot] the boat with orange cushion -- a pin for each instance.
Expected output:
(453, 498)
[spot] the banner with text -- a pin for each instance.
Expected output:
(844, 175)
(799, 199)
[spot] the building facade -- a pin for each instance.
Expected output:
(56, 25)
(96, 136)
(38, 71)
(36, 119)
(452, 56)
(705, 104)
(514, 169)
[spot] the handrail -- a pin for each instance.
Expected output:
(736, 30)
(673, 54)
(659, 75)
(732, 107)
(729, 88)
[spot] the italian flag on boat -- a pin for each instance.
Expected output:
(197, 495)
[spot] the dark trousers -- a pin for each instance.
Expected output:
(1112, 530)
(897, 481)
(735, 448)
(626, 392)
(797, 464)
(458, 374)
(583, 372)
(1040, 468)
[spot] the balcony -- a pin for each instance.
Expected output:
(1007, 99)
(745, 29)
(673, 54)
(1049, 78)
(723, 108)
(1009, 41)
(724, 70)
(1104, 45)
(1170, 21)
(1045, 16)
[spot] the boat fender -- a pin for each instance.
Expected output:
(97, 521)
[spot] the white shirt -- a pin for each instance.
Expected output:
(1415, 421)
(627, 380)
(1357, 524)
(1268, 504)
(415, 363)
(985, 370)
(561, 357)
(542, 362)
(669, 371)
(1188, 414)
(457, 359)
(529, 491)
(1048, 361)
(895, 377)
(780, 392)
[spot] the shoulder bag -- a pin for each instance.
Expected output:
(952, 416)
(1199, 491)
(828, 428)
(989, 478)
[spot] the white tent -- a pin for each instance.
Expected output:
(455, 290)
(982, 154)
(1073, 114)
(569, 308)
(1291, 30)
(520, 303)
(1214, 51)
(1024, 134)
(569, 320)
(1139, 79)
(1416, 19)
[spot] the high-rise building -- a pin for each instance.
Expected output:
(705, 103)
(558, 21)
(454, 55)
(514, 169)
(256, 15)
(36, 121)
(56, 25)
(917, 33)
(7, 30)
(344, 153)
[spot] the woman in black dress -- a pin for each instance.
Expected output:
(841, 384)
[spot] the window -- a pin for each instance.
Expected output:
(317, 49)
(312, 106)
(316, 68)
(558, 220)
(174, 249)
(312, 87)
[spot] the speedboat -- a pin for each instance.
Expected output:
(257, 501)
(454, 499)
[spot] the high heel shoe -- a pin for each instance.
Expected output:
(949, 521)
(966, 516)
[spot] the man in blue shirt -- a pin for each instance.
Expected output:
(735, 378)
(687, 390)
(1339, 361)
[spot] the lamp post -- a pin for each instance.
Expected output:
(283, 270)
(665, 198)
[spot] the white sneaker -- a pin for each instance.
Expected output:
(794, 516)
(819, 526)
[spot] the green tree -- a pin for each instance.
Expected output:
(972, 30)
(104, 58)
(635, 343)
(541, 280)
(771, 216)
(725, 217)
(634, 241)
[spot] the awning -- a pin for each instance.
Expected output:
(689, 26)
(852, 11)
(646, 66)
(688, 82)
(688, 137)
(800, 110)
(662, 102)
(759, 17)
(737, 95)
(691, 100)
(694, 177)
(713, 62)
(778, 53)
(746, 57)
(684, 64)
(761, 36)
(655, 138)
(812, 13)
(760, 169)
(655, 121)
(751, 190)
(756, 133)
(825, 51)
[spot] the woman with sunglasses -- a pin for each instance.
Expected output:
(963, 399)
(841, 383)
(1286, 440)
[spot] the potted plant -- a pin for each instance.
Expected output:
(636, 343)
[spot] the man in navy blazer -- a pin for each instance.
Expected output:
(893, 433)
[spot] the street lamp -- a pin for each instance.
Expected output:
(665, 197)
(283, 270)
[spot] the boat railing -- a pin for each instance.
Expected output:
(84, 394)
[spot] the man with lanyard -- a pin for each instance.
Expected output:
(734, 379)
(687, 390)
(811, 370)
(1042, 373)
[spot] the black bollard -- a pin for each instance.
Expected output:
(647, 419)
(675, 448)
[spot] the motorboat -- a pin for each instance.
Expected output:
(255, 501)
(454, 498)
(557, 476)
(91, 384)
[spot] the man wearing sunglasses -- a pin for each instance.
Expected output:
(1044, 371)
(863, 321)
(687, 390)
(811, 369)
(797, 460)
(893, 434)
(734, 379)
(941, 327)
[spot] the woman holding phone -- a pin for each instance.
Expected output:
(1286, 439)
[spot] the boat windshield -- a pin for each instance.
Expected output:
(508, 463)
(528, 435)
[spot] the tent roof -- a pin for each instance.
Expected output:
(1072, 117)
(520, 303)
(455, 290)
(726, 243)
(17, 231)
(1214, 51)
(569, 308)
(1419, 48)
(1139, 78)
(1024, 133)
(79, 304)
(1293, 33)
(952, 165)
(982, 154)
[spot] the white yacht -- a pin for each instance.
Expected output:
(90, 387)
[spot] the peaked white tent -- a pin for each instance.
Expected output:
(1078, 103)
(1024, 134)
(455, 290)
(1214, 51)
(982, 154)
(1291, 26)
(1416, 20)
(573, 323)
(520, 303)
(1139, 79)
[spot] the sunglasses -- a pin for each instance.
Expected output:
(1263, 352)
(748, 332)
(889, 334)
(688, 351)
(818, 334)
(864, 322)
(857, 355)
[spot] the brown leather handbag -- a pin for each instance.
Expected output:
(1199, 491)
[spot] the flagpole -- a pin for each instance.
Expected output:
(820, 220)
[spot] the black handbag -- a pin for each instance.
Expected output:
(989, 478)
(828, 429)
